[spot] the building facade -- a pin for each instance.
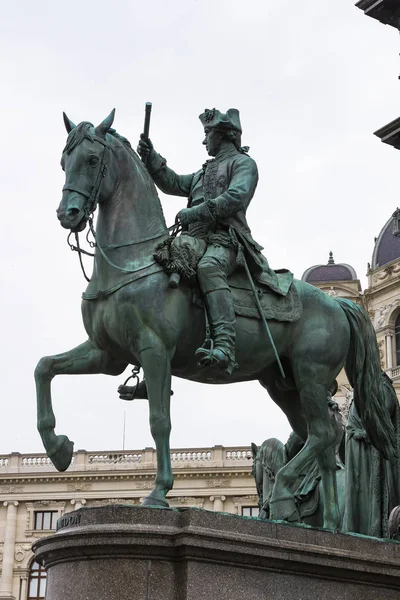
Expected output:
(381, 299)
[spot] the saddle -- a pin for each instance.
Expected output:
(181, 255)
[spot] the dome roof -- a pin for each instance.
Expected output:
(329, 272)
(387, 244)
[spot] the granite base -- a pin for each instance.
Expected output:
(136, 553)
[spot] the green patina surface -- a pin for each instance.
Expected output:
(147, 323)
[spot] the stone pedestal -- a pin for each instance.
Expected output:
(134, 553)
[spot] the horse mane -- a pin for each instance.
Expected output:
(272, 453)
(128, 146)
(78, 134)
(138, 163)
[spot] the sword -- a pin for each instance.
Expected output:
(242, 261)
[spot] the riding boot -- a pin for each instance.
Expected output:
(221, 313)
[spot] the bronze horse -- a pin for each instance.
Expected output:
(132, 316)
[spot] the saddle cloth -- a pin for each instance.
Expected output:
(276, 307)
(181, 255)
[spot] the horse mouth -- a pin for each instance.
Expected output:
(80, 227)
(75, 225)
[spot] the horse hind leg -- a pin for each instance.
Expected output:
(319, 446)
(284, 393)
(327, 466)
(82, 360)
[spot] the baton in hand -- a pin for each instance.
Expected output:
(146, 128)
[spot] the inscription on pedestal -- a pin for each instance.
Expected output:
(68, 520)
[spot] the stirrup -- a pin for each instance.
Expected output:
(205, 351)
(207, 359)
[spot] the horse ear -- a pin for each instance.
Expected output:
(254, 449)
(105, 125)
(69, 125)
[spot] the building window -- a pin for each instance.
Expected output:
(397, 339)
(250, 511)
(46, 519)
(37, 582)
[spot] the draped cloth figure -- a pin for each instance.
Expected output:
(372, 483)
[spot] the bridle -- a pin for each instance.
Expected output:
(93, 196)
(90, 207)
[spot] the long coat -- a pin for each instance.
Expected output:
(224, 188)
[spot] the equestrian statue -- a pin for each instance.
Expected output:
(204, 305)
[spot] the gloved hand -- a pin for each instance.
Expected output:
(184, 217)
(192, 215)
(144, 147)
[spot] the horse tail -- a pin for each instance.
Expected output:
(364, 372)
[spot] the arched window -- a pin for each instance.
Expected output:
(397, 339)
(37, 582)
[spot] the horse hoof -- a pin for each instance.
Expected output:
(61, 457)
(155, 500)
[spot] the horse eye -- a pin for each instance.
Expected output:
(93, 160)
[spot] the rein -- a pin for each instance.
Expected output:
(174, 229)
(93, 199)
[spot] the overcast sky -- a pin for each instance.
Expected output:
(312, 81)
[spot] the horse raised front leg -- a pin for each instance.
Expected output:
(82, 360)
(156, 364)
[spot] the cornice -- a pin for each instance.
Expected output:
(384, 286)
(385, 11)
(217, 472)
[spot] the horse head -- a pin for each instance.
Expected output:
(86, 159)
(257, 472)
(268, 459)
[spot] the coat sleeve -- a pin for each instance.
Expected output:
(242, 185)
(166, 179)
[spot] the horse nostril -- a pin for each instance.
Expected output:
(72, 212)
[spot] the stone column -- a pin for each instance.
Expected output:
(218, 503)
(24, 587)
(389, 351)
(6, 582)
(78, 503)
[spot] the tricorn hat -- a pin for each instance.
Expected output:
(214, 118)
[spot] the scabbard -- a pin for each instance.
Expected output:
(243, 262)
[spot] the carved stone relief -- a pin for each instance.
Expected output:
(11, 489)
(218, 483)
(332, 292)
(383, 313)
(187, 501)
(387, 273)
(79, 487)
(108, 501)
(143, 485)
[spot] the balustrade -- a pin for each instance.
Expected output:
(142, 459)
(114, 458)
